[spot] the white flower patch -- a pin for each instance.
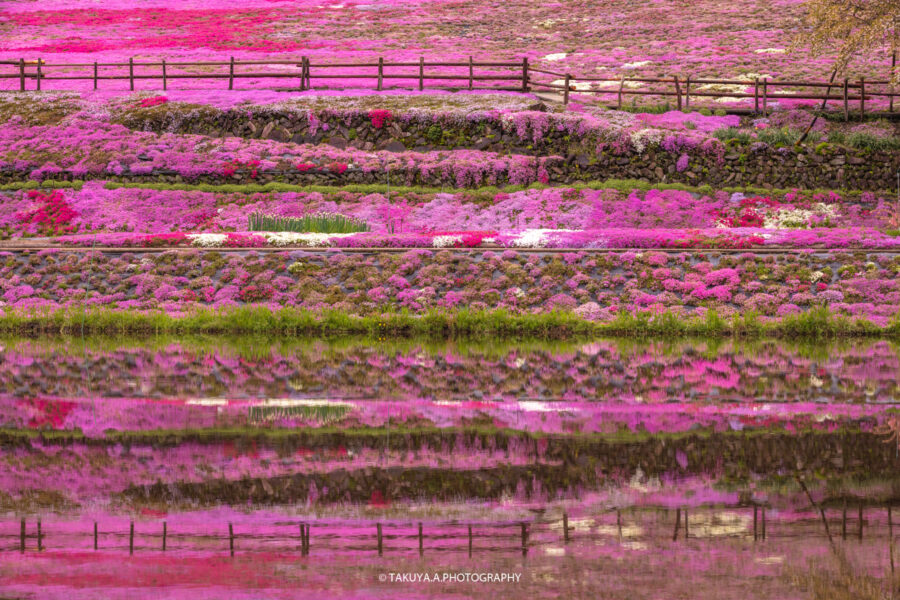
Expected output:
(792, 218)
(207, 240)
(446, 241)
(558, 56)
(537, 406)
(816, 275)
(207, 402)
(636, 65)
(771, 51)
(533, 238)
(645, 137)
(573, 84)
(291, 238)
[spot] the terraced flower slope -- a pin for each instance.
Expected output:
(522, 347)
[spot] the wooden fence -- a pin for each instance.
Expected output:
(850, 94)
(381, 538)
(466, 75)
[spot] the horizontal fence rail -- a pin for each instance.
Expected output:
(516, 75)
(851, 95)
(750, 522)
(465, 76)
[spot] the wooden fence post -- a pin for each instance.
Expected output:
(763, 522)
(524, 539)
(165, 532)
(131, 72)
(380, 71)
(678, 92)
(131, 539)
(231, 74)
(619, 523)
(844, 521)
(95, 535)
(470, 541)
(756, 95)
(566, 91)
(95, 74)
(39, 74)
(566, 528)
(846, 99)
(165, 76)
(380, 546)
(862, 97)
(421, 73)
(687, 92)
(40, 536)
(766, 97)
(687, 531)
(471, 73)
(755, 522)
(231, 539)
(621, 86)
(890, 536)
(525, 74)
(21, 74)
(304, 539)
(421, 541)
(891, 88)
(22, 537)
(859, 530)
(677, 524)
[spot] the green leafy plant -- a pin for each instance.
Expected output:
(314, 223)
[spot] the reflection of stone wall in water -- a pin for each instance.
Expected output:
(603, 370)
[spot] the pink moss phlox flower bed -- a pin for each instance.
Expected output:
(85, 148)
(552, 217)
(596, 286)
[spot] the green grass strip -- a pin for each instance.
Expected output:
(331, 435)
(291, 322)
(622, 185)
(46, 184)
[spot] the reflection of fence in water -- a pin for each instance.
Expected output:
(632, 527)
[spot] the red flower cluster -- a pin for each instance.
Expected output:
(337, 167)
(229, 169)
(255, 293)
(244, 240)
(468, 239)
(53, 214)
(379, 117)
(751, 212)
(49, 413)
(154, 101)
(303, 167)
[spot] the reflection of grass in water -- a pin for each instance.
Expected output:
(838, 579)
(251, 346)
(321, 413)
